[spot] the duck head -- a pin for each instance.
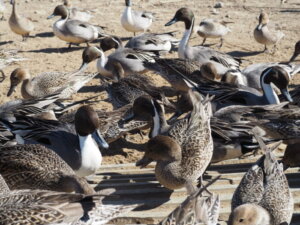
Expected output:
(89, 54)
(87, 123)
(263, 20)
(12, 2)
(296, 52)
(67, 3)
(59, 10)
(161, 148)
(184, 15)
(128, 3)
(280, 78)
(17, 77)
(108, 43)
(249, 214)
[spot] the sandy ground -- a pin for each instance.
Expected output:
(46, 52)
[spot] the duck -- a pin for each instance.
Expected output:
(51, 82)
(19, 24)
(51, 207)
(73, 31)
(296, 52)
(263, 35)
(130, 59)
(77, 14)
(211, 28)
(33, 166)
(74, 143)
(195, 209)
(263, 195)
(223, 62)
(159, 43)
(182, 150)
(135, 21)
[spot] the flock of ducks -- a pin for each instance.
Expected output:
(219, 111)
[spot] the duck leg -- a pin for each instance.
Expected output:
(70, 45)
(2, 77)
(203, 41)
(221, 44)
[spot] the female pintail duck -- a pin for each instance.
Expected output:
(72, 142)
(296, 52)
(196, 209)
(183, 150)
(130, 59)
(211, 28)
(263, 35)
(223, 62)
(135, 21)
(19, 24)
(49, 207)
(263, 196)
(160, 43)
(73, 31)
(126, 89)
(77, 14)
(34, 166)
(51, 82)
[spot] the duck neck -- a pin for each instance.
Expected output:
(27, 90)
(14, 9)
(101, 63)
(160, 124)
(189, 25)
(269, 94)
(91, 157)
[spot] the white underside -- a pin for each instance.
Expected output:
(134, 23)
(91, 157)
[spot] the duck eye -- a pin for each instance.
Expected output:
(241, 220)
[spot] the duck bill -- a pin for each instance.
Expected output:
(172, 21)
(294, 56)
(142, 163)
(287, 95)
(100, 140)
(50, 17)
(11, 90)
(83, 66)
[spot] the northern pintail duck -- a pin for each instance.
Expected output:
(135, 21)
(77, 14)
(130, 59)
(161, 43)
(211, 28)
(72, 142)
(263, 35)
(19, 24)
(223, 62)
(182, 150)
(51, 82)
(34, 166)
(196, 209)
(48, 207)
(296, 52)
(73, 31)
(291, 156)
(263, 196)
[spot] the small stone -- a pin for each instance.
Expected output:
(214, 11)
(219, 5)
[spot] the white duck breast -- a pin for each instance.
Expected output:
(210, 28)
(135, 21)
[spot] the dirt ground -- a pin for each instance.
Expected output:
(46, 52)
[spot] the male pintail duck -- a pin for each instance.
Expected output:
(263, 35)
(72, 142)
(223, 62)
(34, 166)
(49, 207)
(77, 14)
(296, 52)
(183, 150)
(211, 28)
(19, 24)
(263, 196)
(130, 59)
(135, 21)
(196, 209)
(73, 31)
(160, 43)
(52, 82)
